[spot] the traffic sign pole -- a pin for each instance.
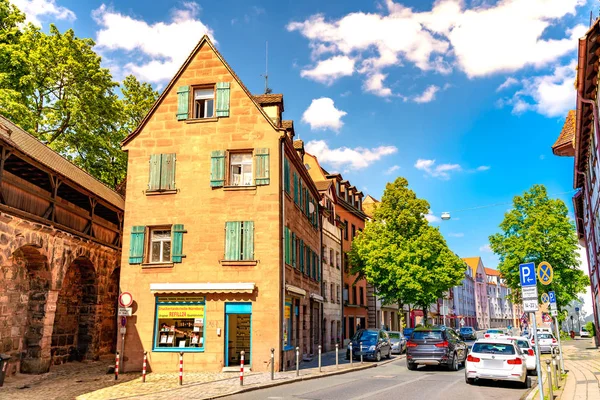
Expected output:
(560, 354)
(538, 366)
(527, 275)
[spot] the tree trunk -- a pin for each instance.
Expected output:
(400, 315)
(424, 315)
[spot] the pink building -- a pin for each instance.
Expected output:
(481, 296)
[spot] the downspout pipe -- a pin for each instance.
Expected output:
(282, 252)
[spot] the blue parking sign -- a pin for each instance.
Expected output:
(552, 297)
(527, 274)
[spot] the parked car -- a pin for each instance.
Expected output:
(398, 342)
(527, 350)
(584, 332)
(494, 333)
(407, 332)
(435, 346)
(375, 344)
(546, 342)
(498, 360)
(468, 333)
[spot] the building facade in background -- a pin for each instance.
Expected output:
(464, 301)
(500, 306)
(481, 296)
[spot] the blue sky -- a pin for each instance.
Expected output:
(463, 98)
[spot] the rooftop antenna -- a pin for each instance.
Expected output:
(266, 75)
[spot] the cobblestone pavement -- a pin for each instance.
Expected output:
(89, 381)
(582, 360)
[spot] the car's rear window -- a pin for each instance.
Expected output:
(544, 336)
(466, 329)
(394, 335)
(493, 348)
(494, 331)
(425, 335)
(524, 344)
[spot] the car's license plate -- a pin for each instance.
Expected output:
(493, 364)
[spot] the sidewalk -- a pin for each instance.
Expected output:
(89, 381)
(582, 360)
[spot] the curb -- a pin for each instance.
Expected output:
(304, 378)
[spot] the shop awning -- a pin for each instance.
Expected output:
(240, 287)
(295, 290)
(317, 297)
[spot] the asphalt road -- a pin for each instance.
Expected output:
(387, 382)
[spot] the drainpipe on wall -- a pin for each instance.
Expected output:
(282, 252)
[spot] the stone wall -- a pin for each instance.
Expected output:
(58, 295)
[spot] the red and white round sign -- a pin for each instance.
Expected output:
(125, 299)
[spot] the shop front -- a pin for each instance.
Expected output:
(179, 324)
(238, 333)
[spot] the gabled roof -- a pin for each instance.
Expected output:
(204, 40)
(565, 144)
(269, 99)
(473, 262)
(492, 272)
(287, 124)
(38, 151)
(323, 185)
(298, 144)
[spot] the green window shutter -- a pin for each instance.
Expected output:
(217, 168)
(233, 237)
(183, 102)
(154, 177)
(248, 240)
(136, 245)
(306, 203)
(308, 264)
(177, 247)
(167, 172)
(294, 251)
(222, 99)
(301, 251)
(295, 188)
(300, 193)
(287, 246)
(261, 166)
(318, 269)
(286, 175)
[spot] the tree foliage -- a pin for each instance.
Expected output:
(401, 255)
(538, 229)
(53, 85)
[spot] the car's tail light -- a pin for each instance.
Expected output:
(530, 352)
(486, 336)
(411, 344)
(470, 358)
(553, 341)
(516, 361)
(532, 340)
(443, 344)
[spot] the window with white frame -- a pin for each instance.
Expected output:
(240, 167)
(204, 102)
(160, 245)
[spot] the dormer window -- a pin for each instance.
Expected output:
(204, 103)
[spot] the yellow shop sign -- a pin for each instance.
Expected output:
(180, 311)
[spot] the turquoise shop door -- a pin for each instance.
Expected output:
(238, 333)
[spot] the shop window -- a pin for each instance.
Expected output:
(287, 330)
(179, 324)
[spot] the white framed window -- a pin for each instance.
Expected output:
(204, 103)
(160, 245)
(240, 167)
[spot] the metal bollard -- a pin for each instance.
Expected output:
(117, 367)
(144, 366)
(549, 374)
(297, 361)
(242, 367)
(319, 358)
(361, 353)
(272, 363)
(337, 355)
(555, 370)
(351, 354)
(181, 368)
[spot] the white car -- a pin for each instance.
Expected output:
(584, 333)
(527, 351)
(494, 333)
(547, 342)
(498, 360)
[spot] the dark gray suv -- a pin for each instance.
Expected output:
(375, 345)
(435, 346)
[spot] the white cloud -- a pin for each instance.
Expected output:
(441, 171)
(322, 114)
(485, 248)
(328, 71)
(456, 234)
(471, 36)
(164, 46)
(352, 158)
(550, 95)
(392, 169)
(510, 81)
(482, 168)
(34, 9)
(374, 84)
(432, 218)
(428, 95)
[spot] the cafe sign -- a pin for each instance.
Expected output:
(180, 311)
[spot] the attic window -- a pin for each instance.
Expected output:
(204, 102)
(307, 166)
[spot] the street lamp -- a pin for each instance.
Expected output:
(445, 216)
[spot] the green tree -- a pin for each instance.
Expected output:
(538, 229)
(401, 255)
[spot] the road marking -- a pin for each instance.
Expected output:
(372, 394)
